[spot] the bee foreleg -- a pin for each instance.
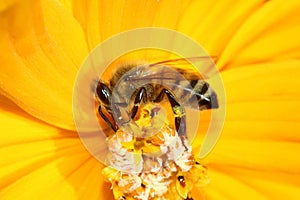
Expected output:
(141, 95)
(178, 111)
(114, 127)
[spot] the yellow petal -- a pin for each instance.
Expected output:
(212, 23)
(63, 178)
(51, 162)
(266, 92)
(262, 101)
(270, 33)
(278, 80)
(68, 4)
(250, 184)
(19, 127)
(274, 156)
(102, 19)
(4, 4)
(274, 185)
(224, 185)
(42, 48)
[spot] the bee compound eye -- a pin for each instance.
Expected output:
(103, 92)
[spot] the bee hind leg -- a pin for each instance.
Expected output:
(180, 121)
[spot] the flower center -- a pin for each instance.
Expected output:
(152, 165)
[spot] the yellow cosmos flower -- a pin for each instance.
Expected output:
(43, 44)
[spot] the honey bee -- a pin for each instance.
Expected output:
(161, 166)
(132, 85)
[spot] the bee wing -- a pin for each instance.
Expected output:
(182, 79)
(184, 66)
(157, 73)
(178, 61)
(189, 67)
